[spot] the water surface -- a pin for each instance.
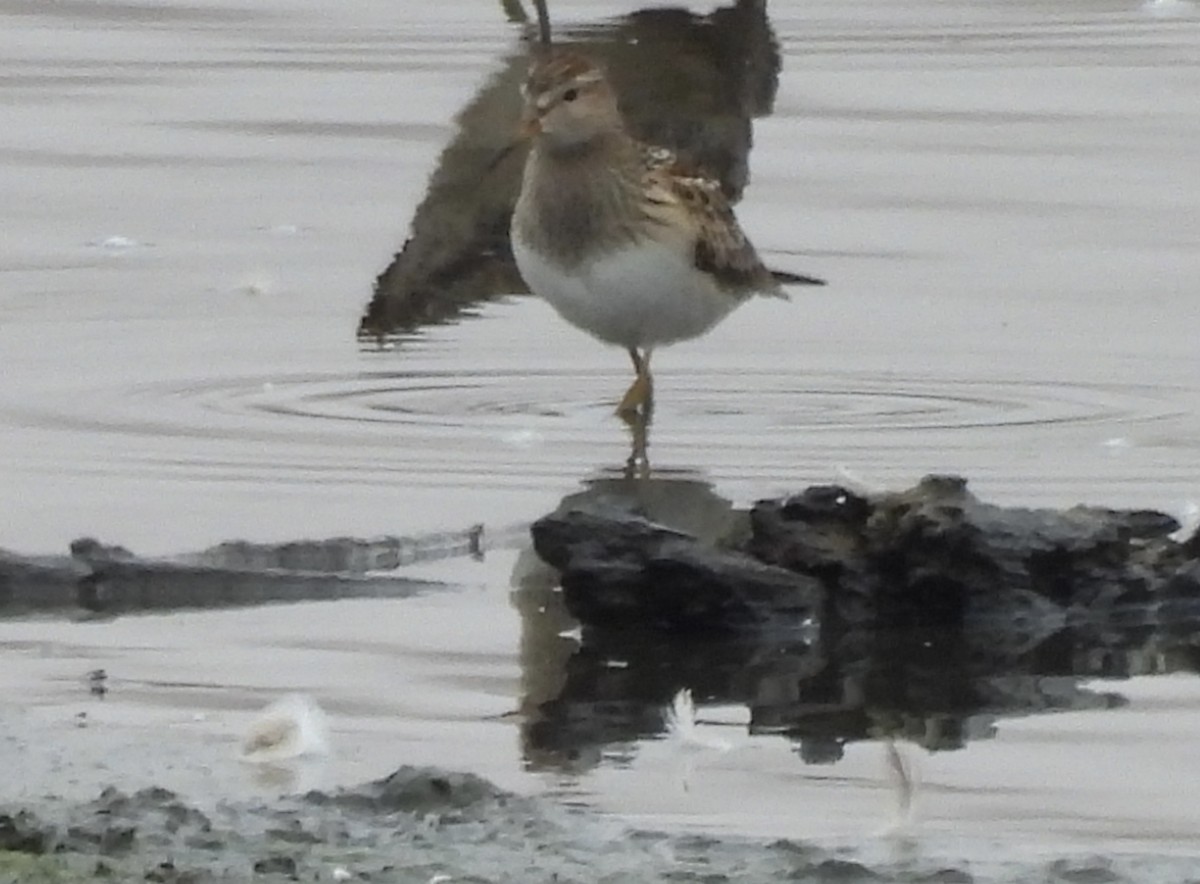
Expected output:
(197, 199)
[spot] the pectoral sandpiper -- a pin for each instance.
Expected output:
(624, 242)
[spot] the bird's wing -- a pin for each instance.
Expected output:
(719, 246)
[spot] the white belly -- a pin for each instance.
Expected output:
(637, 297)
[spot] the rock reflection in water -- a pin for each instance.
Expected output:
(550, 657)
(689, 82)
(592, 698)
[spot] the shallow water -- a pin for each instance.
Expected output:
(198, 197)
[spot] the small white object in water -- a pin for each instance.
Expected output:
(115, 243)
(523, 439)
(1168, 8)
(291, 727)
(1189, 521)
(341, 873)
(682, 728)
(258, 284)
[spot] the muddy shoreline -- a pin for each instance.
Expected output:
(427, 824)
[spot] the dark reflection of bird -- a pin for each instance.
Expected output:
(622, 240)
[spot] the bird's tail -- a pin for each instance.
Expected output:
(786, 277)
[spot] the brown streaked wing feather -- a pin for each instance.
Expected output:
(721, 248)
(655, 158)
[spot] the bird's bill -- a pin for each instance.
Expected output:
(531, 123)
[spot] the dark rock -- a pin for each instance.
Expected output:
(419, 790)
(1180, 593)
(293, 833)
(37, 583)
(168, 873)
(942, 616)
(933, 555)
(275, 865)
(945, 876)
(836, 871)
(107, 840)
(620, 570)
(92, 552)
(23, 833)
(1096, 870)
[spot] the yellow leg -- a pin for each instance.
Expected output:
(636, 408)
(635, 396)
(641, 392)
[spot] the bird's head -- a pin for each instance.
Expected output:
(568, 101)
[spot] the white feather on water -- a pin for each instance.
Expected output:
(116, 243)
(683, 729)
(1189, 521)
(291, 727)
(687, 737)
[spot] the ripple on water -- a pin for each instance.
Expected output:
(479, 427)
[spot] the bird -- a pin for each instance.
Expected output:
(622, 239)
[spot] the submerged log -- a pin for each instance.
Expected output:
(934, 555)
(109, 579)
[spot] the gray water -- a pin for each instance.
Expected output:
(197, 199)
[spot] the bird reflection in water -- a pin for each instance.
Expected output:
(690, 83)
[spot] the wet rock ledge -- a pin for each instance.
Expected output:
(933, 555)
(106, 579)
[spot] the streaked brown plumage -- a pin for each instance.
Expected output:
(624, 242)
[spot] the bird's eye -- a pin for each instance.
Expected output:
(570, 95)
